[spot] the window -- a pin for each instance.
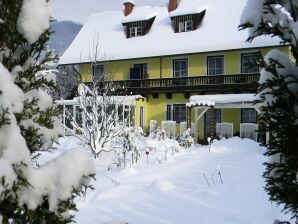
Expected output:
(215, 65)
(179, 112)
(185, 26)
(98, 72)
(135, 31)
(142, 70)
(248, 115)
(180, 68)
(249, 63)
(169, 113)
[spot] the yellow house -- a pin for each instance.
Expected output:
(168, 54)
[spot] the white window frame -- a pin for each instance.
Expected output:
(246, 69)
(135, 31)
(185, 26)
(216, 68)
(175, 72)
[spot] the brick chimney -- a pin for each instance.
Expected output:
(172, 5)
(128, 7)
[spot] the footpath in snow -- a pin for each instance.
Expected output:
(185, 188)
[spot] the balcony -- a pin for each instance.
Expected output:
(203, 84)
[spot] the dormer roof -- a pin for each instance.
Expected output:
(188, 7)
(140, 14)
(218, 32)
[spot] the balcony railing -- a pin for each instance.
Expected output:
(221, 83)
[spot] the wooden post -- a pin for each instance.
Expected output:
(212, 122)
(188, 117)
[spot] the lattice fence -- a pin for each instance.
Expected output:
(249, 130)
(170, 128)
(183, 127)
(224, 130)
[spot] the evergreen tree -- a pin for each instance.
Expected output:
(29, 122)
(278, 94)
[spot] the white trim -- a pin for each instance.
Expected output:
(172, 64)
(214, 54)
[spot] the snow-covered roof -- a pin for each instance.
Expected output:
(220, 99)
(187, 8)
(125, 100)
(218, 31)
(140, 14)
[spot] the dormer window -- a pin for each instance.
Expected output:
(185, 26)
(185, 23)
(135, 31)
(137, 28)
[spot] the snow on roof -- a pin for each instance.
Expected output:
(125, 100)
(187, 7)
(140, 14)
(212, 100)
(218, 31)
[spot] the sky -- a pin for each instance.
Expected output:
(79, 10)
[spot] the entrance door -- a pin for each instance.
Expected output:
(207, 121)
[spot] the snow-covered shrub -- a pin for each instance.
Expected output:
(186, 140)
(29, 122)
(102, 118)
(126, 147)
(278, 94)
(153, 128)
(170, 128)
(166, 149)
(161, 134)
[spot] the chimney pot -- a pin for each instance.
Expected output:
(172, 5)
(128, 7)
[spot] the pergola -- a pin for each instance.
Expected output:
(205, 102)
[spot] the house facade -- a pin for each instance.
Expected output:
(170, 53)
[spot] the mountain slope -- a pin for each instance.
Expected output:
(64, 33)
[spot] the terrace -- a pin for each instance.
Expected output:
(236, 83)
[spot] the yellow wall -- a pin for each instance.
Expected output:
(162, 67)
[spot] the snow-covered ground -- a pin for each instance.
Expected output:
(176, 190)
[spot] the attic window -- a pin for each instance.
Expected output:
(138, 28)
(185, 26)
(185, 23)
(135, 31)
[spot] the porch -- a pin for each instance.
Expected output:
(204, 103)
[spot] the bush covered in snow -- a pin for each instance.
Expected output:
(153, 129)
(29, 122)
(186, 140)
(126, 147)
(279, 95)
(100, 121)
